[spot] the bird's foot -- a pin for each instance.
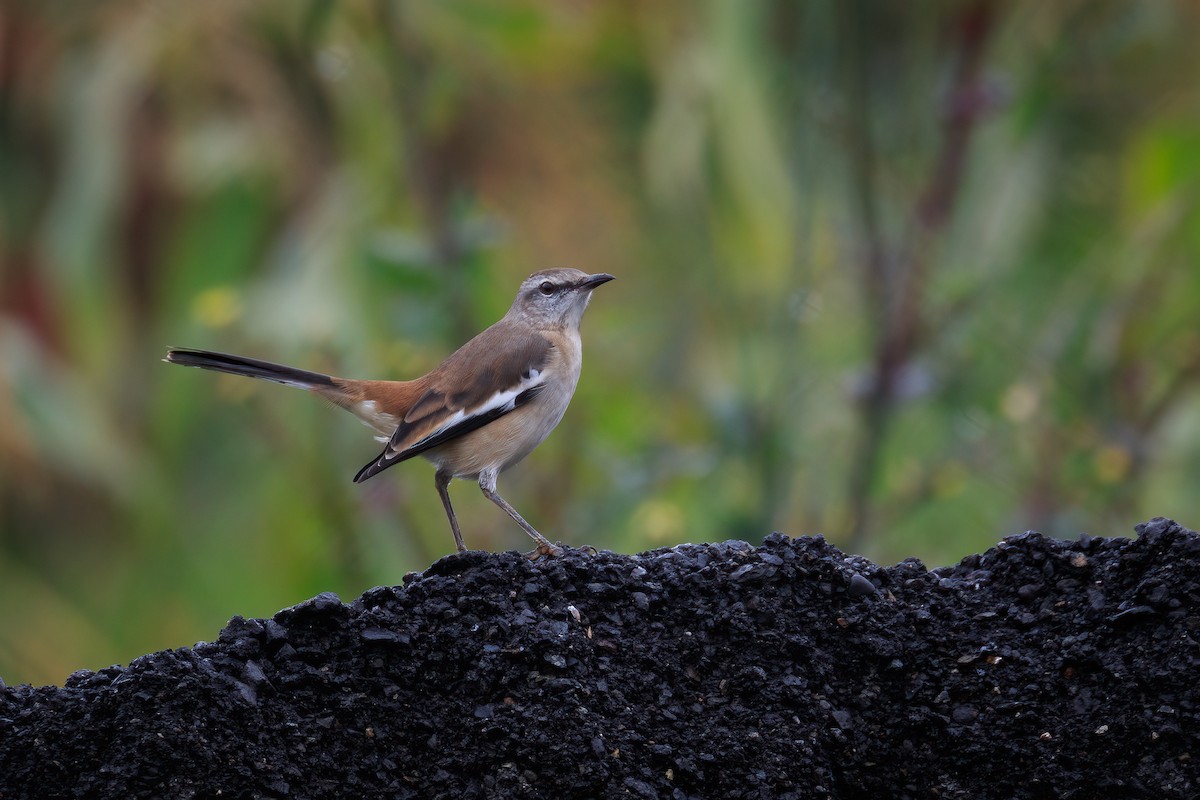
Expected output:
(544, 550)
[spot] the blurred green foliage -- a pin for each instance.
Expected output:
(914, 275)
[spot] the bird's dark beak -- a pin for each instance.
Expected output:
(592, 281)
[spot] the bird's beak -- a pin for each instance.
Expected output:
(592, 281)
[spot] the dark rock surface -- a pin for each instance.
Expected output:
(1039, 669)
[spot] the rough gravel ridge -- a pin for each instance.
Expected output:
(1038, 669)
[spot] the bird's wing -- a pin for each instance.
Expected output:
(496, 372)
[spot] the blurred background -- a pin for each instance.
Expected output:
(916, 276)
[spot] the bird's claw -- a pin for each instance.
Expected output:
(544, 550)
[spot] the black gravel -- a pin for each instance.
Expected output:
(1039, 669)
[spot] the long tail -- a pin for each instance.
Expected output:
(250, 367)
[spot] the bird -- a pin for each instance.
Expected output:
(479, 412)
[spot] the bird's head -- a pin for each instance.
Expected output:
(556, 297)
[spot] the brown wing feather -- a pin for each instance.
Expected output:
(497, 360)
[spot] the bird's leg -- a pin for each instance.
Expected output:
(442, 480)
(487, 483)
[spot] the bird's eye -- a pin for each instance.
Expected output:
(547, 288)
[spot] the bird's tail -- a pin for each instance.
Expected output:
(250, 367)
